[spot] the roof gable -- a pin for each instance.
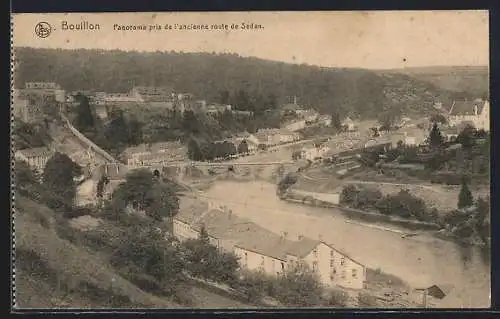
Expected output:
(464, 108)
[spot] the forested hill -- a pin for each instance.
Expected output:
(471, 79)
(357, 91)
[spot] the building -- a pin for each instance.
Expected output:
(216, 109)
(153, 94)
(310, 116)
(288, 136)
(326, 120)
(261, 250)
(295, 125)
(29, 102)
(46, 91)
(314, 152)
(36, 157)
(269, 136)
(154, 154)
(115, 174)
(101, 111)
(120, 98)
(22, 109)
(476, 112)
(349, 124)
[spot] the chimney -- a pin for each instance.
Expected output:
(300, 237)
(229, 213)
(320, 237)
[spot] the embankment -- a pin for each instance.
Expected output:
(365, 216)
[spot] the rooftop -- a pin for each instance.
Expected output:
(36, 151)
(245, 234)
(113, 171)
(191, 209)
(461, 108)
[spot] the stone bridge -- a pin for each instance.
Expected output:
(182, 169)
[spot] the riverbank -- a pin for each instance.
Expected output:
(422, 260)
(365, 216)
(374, 220)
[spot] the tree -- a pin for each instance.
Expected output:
(206, 261)
(225, 97)
(466, 137)
(58, 178)
(26, 180)
(286, 182)
(117, 132)
(300, 287)
(243, 147)
(103, 181)
(136, 189)
(165, 201)
(348, 194)
(465, 198)
(84, 118)
(146, 251)
(135, 136)
(336, 122)
(190, 122)
(438, 118)
(435, 138)
(194, 152)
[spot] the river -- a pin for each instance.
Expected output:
(421, 261)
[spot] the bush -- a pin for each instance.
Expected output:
(337, 298)
(366, 300)
(360, 197)
(299, 287)
(206, 261)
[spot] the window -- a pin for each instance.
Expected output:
(342, 274)
(331, 254)
(342, 261)
(332, 263)
(282, 266)
(354, 273)
(315, 266)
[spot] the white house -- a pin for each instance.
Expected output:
(476, 113)
(313, 152)
(36, 157)
(349, 123)
(153, 154)
(295, 125)
(261, 250)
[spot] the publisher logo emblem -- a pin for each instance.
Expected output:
(43, 29)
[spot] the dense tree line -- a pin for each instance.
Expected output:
(202, 150)
(402, 204)
(250, 83)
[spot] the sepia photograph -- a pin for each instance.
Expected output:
(251, 160)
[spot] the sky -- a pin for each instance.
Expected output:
(372, 40)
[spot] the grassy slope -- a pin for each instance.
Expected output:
(51, 272)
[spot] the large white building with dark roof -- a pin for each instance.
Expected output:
(259, 249)
(476, 113)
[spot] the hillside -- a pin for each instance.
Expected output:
(356, 91)
(52, 272)
(471, 79)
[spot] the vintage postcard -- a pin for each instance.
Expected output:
(251, 160)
